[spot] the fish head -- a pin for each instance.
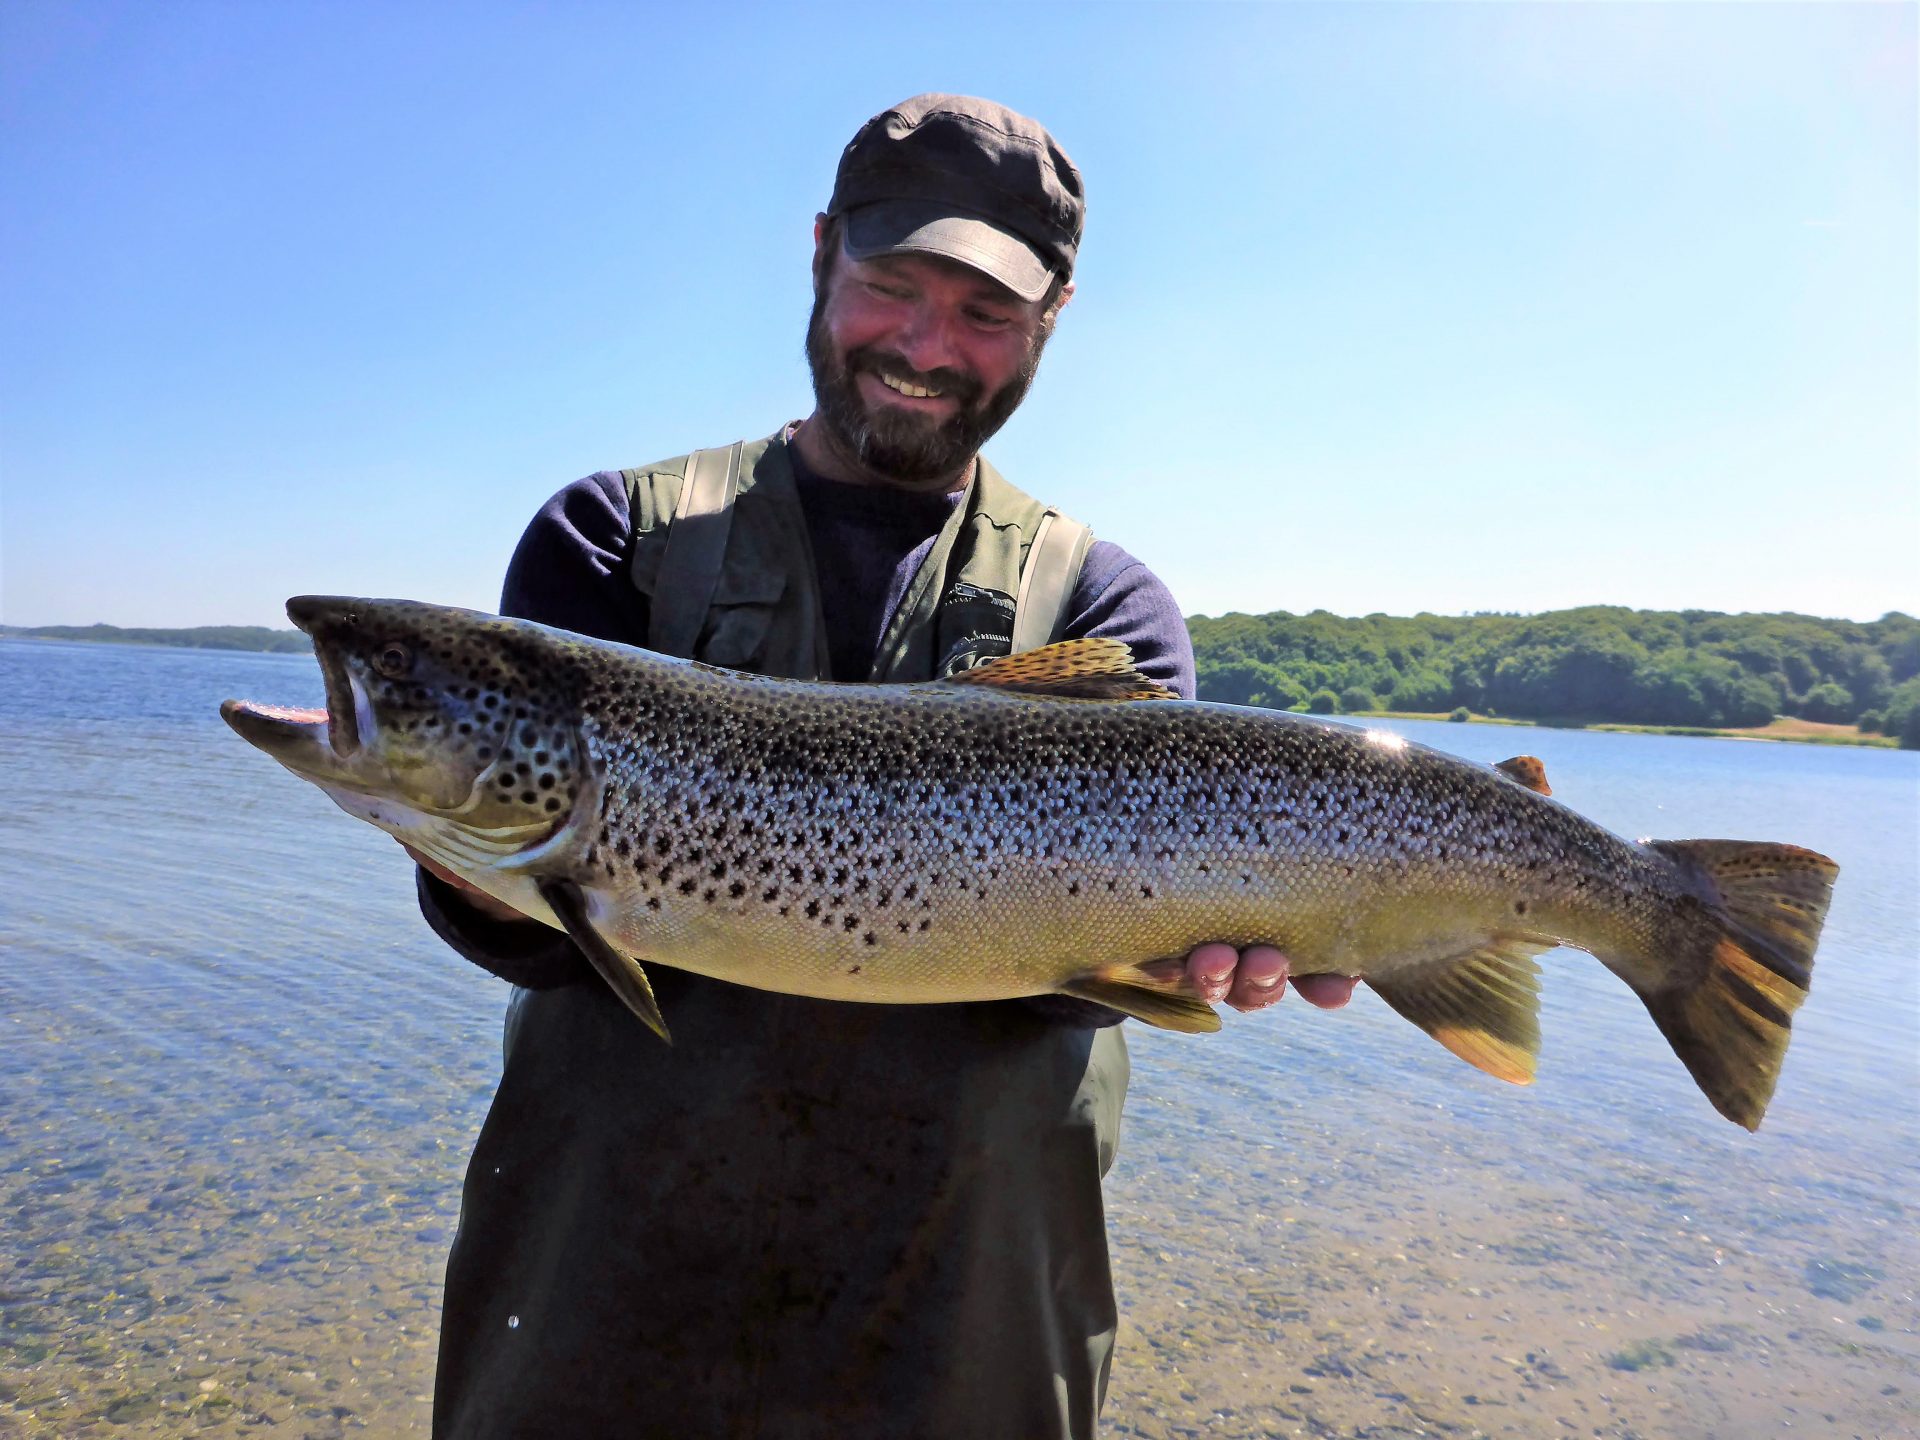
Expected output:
(433, 714)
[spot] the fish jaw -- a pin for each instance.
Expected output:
(442, 711)
(301, 739)
(435, 736)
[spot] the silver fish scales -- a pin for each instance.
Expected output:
(1050, 822)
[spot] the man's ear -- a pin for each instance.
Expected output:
(1066, 294)
(819, 229)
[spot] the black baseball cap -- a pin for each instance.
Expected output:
(966, 179)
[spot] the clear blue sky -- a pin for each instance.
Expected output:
(1443, 307)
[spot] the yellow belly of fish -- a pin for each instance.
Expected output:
(1006, 938)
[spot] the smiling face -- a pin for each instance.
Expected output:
(916, 362)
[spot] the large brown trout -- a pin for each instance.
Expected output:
(1048, 822)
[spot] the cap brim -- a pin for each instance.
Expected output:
(898, 227)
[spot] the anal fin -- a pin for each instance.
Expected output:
(1483, 1005)
(621, 972)
(1165, 1004)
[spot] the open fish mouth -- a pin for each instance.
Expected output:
(298, 737)
(301, 736)
(262, 723)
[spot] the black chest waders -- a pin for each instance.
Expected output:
(804, 1219)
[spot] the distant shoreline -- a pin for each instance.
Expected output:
(1785, 728)
(260, 639)
(256, 638)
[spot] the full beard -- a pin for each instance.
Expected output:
(907, 448)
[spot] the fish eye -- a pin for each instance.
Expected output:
(393, 660)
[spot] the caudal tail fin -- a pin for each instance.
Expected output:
(1729, 1024)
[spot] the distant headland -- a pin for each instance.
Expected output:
(197, 637)
(1775, 677)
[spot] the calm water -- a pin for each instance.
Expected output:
(238, 1080)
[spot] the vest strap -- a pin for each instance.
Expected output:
(1053, 564)
(696, 544)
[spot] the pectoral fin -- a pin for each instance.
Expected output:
(1167, 1004)
(621, 972)
(1483, 1005)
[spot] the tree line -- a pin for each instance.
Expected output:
(1599, 663)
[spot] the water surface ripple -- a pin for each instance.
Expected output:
(238, 1080)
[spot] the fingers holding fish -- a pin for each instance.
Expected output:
(1254, 978)
(1325, 992)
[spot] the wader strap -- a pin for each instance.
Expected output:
(1053, 564)
(696, 542)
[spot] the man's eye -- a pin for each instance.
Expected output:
(886, 292)
(986, 320)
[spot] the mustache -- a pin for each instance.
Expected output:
(957, 383)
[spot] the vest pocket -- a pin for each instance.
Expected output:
(744, 605)
(746, 599)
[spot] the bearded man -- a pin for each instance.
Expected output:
(812, 1219)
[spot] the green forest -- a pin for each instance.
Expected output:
(1597, 664)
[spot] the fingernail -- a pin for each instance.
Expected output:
(1265, 984)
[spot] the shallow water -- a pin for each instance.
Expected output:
(239, 1078)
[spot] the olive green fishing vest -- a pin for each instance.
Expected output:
(807, 1219)
(720, 549)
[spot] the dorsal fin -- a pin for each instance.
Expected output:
(1090, 669)
(1526, 770)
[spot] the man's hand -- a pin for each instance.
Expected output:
(473, 895)
(1256, 977)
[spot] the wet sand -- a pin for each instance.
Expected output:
(1405, 1279)
(1342, 1294)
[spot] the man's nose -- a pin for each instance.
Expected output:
(927, 342)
